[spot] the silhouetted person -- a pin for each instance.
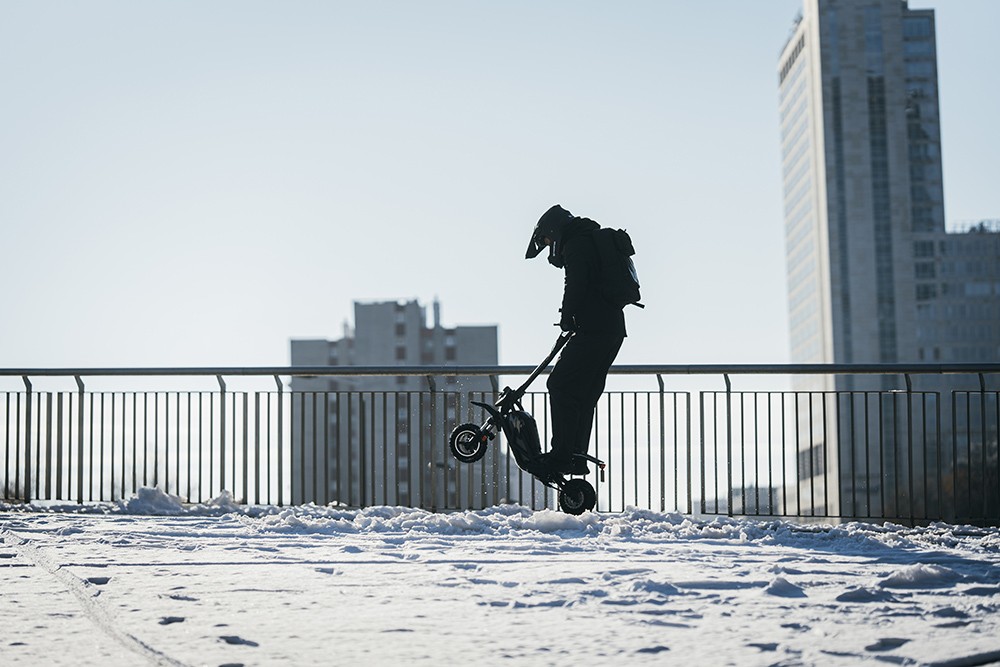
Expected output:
(577, 381)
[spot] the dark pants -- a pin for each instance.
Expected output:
(575, 385)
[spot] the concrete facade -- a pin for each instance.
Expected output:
(365, 440)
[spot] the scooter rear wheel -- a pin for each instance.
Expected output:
(468, 443)
(577, 496)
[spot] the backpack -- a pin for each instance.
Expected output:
(619, 282)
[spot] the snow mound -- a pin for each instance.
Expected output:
(152, 501)
(783, 588)
(920, 575)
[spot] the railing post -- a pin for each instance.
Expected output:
(909, 444)
(79, 444)
(27, 440)
(982, 442)
(729, 444)
(663, 463)
(281, 407)
(432, 463)
(222, 433)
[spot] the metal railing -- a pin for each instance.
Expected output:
(878, 450)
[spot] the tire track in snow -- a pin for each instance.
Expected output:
(88, 600)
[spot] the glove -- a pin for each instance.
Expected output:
(567, 322)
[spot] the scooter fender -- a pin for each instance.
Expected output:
(493, 412)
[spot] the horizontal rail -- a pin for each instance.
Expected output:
(636, 369)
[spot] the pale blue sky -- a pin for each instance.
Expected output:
(194, 183)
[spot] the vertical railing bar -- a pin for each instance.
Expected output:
(166, 441)
(954, 451)
(326, 447)
(222, 434)
(826, 462)
(854, 458)
(770, 454)
(690, 463)
(350, 450)
(812, 454)
(373, 461)
(881, 452)
(177, 441)
(868, 458)
(339, 449)
(649, 449)
(897, 510)
(298, 401)
(623, 478)
(784, 455)
(211, 447)
(741, 400)
(281, 433)
(756, 451)
(701, 458)
(396, 447)
(923, 441)
(111, 445)
(7, 493)
(59, 445)
(729, 443)
(315, 450)
(156, 439)
(189, 441)
(37, 475)
(798, 456)
(385, 451)
(26, 489)
(256, 449)
(996, 411)
(432, 468)
(46, 474)
(982, 447)
(909, 442)
(79, 436)
(246, 447)
(968, 448)
(663, 450)
(611, 496)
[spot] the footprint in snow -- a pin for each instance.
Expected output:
(235, 640)
(169, 620)
(886, 644)
(653, 649)
(865, 595)
(98, 581)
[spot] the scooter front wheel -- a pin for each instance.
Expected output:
(577, 496)
(468, 443)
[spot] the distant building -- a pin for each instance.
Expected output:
(873, 276)
(383, 440)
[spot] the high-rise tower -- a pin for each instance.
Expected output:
(873, 275)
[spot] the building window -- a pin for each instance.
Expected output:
(449, 354)
(923, 249)
(400, 329)
(917, 26)
(400, 353)
(925, 271)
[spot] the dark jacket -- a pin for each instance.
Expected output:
(582, 298)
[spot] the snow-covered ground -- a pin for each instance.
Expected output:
(153, 582)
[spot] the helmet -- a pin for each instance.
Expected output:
(550, 226)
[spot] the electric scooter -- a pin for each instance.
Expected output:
(468, 442)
